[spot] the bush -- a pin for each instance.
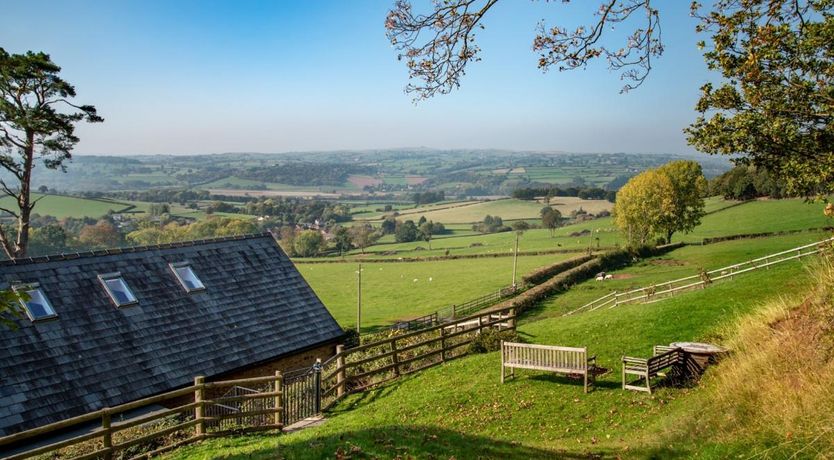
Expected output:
(490, 340)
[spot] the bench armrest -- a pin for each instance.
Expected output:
(630, 360)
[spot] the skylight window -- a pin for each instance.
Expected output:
(117, 289)
(37, 306)
(185, 275)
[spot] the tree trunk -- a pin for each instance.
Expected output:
(24, 198)
(669, 236)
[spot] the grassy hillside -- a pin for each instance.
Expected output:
(390, 292)
(460, 409)
(61, 206)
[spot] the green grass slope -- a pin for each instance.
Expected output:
(460, 409)
(61, 206)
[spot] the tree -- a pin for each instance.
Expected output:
(551, 219)
(158, 209)
(389, 225)
(363, 236)
(287, 241)
(102, 235)
(37, 124)
(643, 205)
(308, 243)
(437, 47)
(426, 231)
(775, 105)
(406, 232)
(689, 187)
(49, 239)
(342, 240)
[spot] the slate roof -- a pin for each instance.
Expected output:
(256, 307)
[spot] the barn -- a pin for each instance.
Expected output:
(108, 327)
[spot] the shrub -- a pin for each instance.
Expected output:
(490, 340)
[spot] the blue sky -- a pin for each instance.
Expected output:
(185, 77)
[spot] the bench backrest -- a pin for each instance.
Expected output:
(664, 360)
(543, 356)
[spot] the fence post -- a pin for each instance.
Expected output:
(511, 320)
(394, 357)
(200, 427)
(317, 368)
(107, 434)
(480, 324)
(278, 415)
(442, 344)
(340, 371)
(454, 311)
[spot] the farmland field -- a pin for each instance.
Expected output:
(61, 206)
(507, 209)
(395, 291)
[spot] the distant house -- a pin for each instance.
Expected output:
(109, 327)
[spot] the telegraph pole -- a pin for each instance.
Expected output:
(359, 300)
(515, 258)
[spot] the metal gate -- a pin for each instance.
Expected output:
(302, 394)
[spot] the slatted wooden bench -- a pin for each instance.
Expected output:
(562, 360)
(648, 368)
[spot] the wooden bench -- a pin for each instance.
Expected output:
(563, 360)
(647, 368)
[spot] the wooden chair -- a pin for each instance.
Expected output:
(648, 368)
(562, 360)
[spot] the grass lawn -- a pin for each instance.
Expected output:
(460, 409)
(389, 292)
(61, 206)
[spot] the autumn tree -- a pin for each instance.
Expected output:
(37, 126)
(688, 190)
(102, 235)
(643, 206)
(362, 236)
(774, 105)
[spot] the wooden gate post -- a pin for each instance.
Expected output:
(107, 434)
(278, 415)
(200, 427)
(340, 371)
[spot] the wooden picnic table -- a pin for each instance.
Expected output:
(699, 355)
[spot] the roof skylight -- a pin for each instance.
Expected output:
(117, 289)
(37, 307)
(185, 275)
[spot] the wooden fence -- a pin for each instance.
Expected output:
(702, 280)
(452, 312)
(153, 425)
(150, 426)
(362, 367)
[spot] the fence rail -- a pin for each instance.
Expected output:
(176, 418)
(668, 289)
(452, 312)
(356, 369)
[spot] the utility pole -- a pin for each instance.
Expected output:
(359, 300)
(515, 258)
(590, 239)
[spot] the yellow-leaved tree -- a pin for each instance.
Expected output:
(643, 207)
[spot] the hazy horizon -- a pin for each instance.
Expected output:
(184, 78)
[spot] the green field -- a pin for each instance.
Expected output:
(761, 216)
(460, 409)
(508, 209)
(61, 206)
(390, 292)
